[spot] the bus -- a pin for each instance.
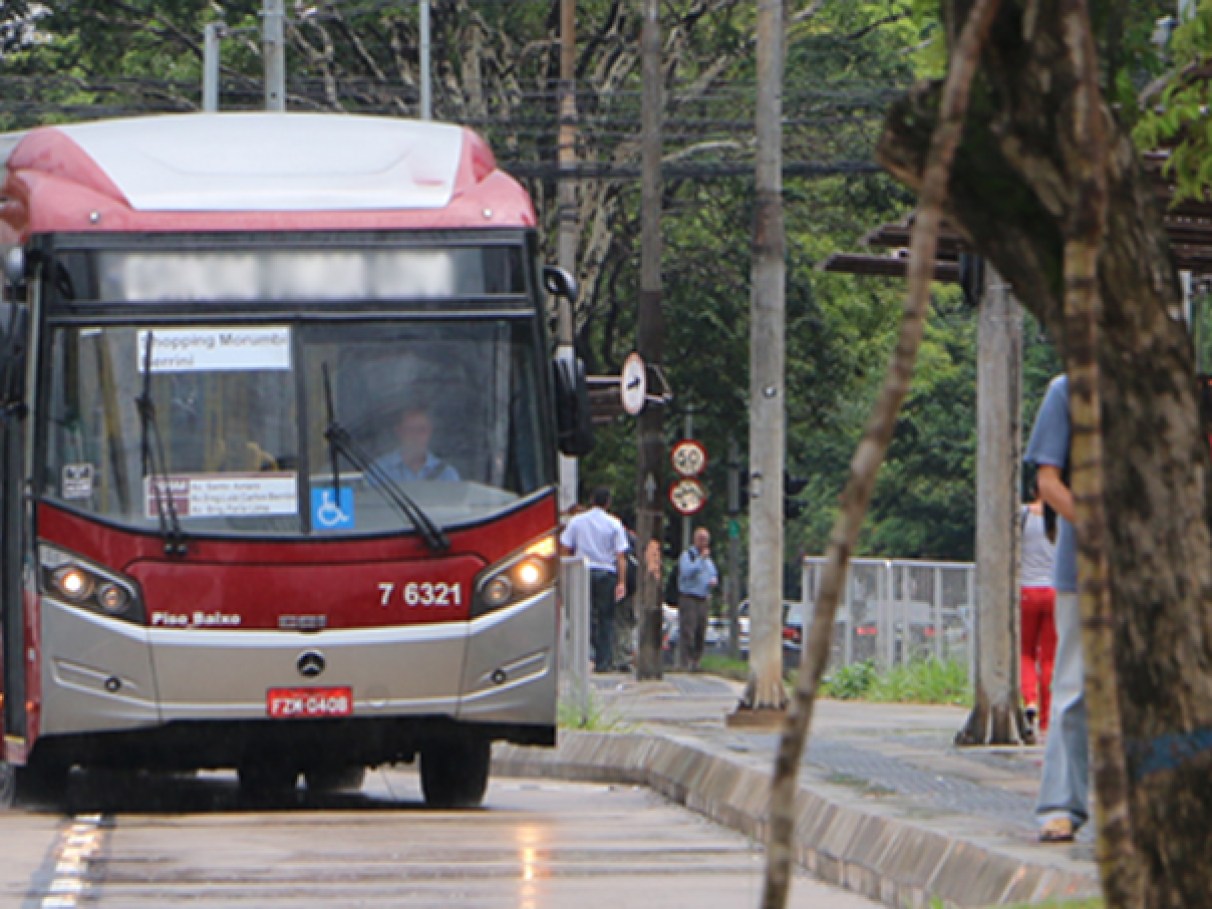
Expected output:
(279, 423)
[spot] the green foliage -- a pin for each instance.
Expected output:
(1178, 119)
(922, 682)
(595, 717)
(852, 682)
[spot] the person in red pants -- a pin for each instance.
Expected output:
(1038, 600)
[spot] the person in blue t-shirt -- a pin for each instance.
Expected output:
(413, 460)
(697, 577)
(1063, 804)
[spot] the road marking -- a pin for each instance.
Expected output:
(78, 845)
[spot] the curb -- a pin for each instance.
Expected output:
(898, 862)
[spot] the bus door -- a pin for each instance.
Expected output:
(14, 330)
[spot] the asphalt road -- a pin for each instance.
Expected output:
(147, 842)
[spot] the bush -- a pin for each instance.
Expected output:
(851, 683)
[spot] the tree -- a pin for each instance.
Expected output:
(1048, 186)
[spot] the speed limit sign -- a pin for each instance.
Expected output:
(689, 458)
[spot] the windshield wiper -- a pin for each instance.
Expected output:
(340, 441)
(152, 448)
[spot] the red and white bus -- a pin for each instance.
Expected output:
(219, 549)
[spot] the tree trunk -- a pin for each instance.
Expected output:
(1015, 193)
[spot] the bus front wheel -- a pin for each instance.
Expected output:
(38, 784)
(455, 774)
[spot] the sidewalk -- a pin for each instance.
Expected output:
(888, 806)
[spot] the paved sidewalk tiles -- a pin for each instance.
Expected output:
(888, 806)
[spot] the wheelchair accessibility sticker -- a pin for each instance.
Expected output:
(332, 509)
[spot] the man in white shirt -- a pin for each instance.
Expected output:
(599, 538)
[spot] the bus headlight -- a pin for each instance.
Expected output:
(517, 577)
(77, 581)
(73, 583)
(113, 599)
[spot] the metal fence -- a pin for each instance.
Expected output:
(897, 611)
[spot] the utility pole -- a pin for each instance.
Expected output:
(995, 718)
(212, 32)
(767, 432)
(732, 580)
(273, 40)
(426, 79)
(650, 341)
(566, 213)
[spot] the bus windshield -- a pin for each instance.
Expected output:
(238, 438)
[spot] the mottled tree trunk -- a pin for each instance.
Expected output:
(1017, 191)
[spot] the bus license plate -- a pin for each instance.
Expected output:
(285, 703)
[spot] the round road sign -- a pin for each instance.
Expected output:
(633, 384)
(687, 495)
(689, 458)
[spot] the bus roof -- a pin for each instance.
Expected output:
(254, 171)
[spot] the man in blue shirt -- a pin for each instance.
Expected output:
(413, 460)
(697, 576)
(1063, 804)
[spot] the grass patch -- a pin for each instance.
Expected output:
(729, 668)
(595, 717)
(1095, 903)
(920, 682)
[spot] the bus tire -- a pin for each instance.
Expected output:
(8, 785)
(335, 779)
(39, 784)
(455, 774)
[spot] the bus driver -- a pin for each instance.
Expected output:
(413, 460)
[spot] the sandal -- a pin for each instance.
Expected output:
(1057, 830)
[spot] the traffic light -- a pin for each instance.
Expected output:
(792, 487)
(738, 488)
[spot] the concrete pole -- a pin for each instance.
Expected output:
(273, 39)
(767, 433)
(566, 212)
(650, 342)
(574, 636)
(995, 714)
(211, 34)
(426, 77)
(732, 580)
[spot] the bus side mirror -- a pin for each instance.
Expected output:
(14, 337)
(574, 421)
(559, 283)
